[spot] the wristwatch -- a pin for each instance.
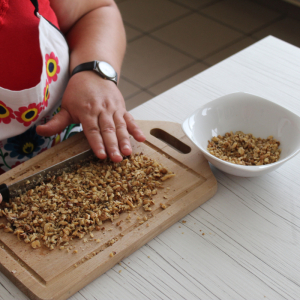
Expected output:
(102, 68)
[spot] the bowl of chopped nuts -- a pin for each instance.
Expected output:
(243, 134)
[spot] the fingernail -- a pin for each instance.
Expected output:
(126, 147)
(102, 151)
(116, 154)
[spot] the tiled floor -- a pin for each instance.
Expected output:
(170, 41)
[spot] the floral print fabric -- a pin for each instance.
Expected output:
(6, 113)
(52, 67)
(22, 111)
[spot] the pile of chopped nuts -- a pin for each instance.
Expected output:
(74, 204)
(244, 149)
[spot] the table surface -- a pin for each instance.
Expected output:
(251, 246)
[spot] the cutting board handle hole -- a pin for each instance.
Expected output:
(170, 140)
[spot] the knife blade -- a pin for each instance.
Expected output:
(30, 182)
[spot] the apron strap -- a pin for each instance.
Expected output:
(36, 5)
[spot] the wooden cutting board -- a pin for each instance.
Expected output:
(44, 274)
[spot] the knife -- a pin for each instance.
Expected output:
(30, 182)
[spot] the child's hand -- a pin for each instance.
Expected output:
(98, 105)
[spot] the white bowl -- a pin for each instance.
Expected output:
(250, 114)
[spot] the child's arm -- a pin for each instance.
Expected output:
(94, 31)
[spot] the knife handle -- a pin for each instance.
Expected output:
(4, 191)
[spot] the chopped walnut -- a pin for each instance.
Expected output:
(36, 244)
(163, 206)
(244, 149)
(75, 203)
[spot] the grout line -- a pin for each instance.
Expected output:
(209, 17)
(266, 6)
(290, 10)
(196, 9)
(162, 25)
(232, 27)
(146, 88)
(223, 48)
(170, 75)
(132, 82)
(250, 34)
(173, 47)
(141, 89)
(196, 60)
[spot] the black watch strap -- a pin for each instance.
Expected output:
(88, 66)
(95, 66)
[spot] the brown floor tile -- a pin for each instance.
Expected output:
(197, 35)
(137, 100)
(149, 14)
(131, 33)
(283, 7)
(148, 61)
(243, 15)
(194, 4)
(223, 54)
(127, 89)
(177, 78)
(287, 29)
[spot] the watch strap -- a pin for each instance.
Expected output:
(88, 66)
(92, 66)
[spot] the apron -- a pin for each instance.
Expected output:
(21, 111)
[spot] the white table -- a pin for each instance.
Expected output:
(251, 246)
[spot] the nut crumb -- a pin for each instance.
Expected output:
(75, 203)
(36, 244)
(163, 206)
(244, 149)
(75, 251)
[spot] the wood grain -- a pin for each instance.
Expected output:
(44, 274)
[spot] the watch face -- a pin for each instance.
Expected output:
(107, 69)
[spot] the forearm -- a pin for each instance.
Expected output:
(95, 34)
